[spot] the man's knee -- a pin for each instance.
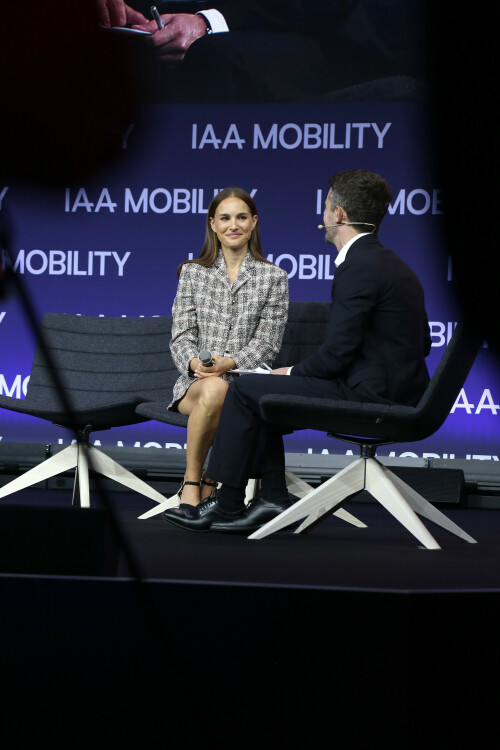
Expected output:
(248, 390)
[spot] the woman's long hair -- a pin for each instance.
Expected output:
(211, 245)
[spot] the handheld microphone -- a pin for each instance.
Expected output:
(205, 358)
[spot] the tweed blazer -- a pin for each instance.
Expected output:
(245, 320)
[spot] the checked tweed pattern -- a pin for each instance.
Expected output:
(246, 319)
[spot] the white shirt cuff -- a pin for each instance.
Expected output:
(288, 372)
(215, 19)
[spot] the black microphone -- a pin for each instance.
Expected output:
(205, 358)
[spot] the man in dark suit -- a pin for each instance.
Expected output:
(374, 350)
(281, 51)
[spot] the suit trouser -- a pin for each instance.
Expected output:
(245, 445)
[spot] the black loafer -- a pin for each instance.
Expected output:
(256, 514)
(195, 517)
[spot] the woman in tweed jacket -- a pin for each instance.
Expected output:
(232, 302)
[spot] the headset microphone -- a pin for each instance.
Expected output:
(349, 223)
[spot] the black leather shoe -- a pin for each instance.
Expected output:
(195, 517)
(256, 514)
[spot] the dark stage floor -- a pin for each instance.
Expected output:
(382, 557)
(357, 635)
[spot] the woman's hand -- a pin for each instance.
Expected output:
(220, 366)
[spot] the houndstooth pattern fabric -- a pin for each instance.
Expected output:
(245, 320)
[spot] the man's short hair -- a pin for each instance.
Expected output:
(364, 196)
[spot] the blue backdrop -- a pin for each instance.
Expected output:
(111, 246)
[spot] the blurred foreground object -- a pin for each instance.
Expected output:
(464, 124)
(69, 90)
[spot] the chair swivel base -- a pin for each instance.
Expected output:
(80, 456)
(366, 474)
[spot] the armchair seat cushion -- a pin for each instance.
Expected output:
(158, 410)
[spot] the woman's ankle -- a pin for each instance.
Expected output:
(190, 494)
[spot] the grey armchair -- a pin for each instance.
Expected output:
(369, 426)
(89, 374)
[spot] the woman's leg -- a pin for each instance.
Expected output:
(203, 403)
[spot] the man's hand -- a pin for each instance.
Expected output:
(280, 370)
(116, 13)
(173, 41)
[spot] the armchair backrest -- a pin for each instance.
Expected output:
(449, 377)
(108, 358)
(304, 332)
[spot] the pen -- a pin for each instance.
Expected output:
(266, 367)
(157, 17)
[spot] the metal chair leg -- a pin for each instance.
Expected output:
(404, 503)
(299, 487)
(64, 461)
(322, 499)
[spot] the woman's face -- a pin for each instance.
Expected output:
(233, 224)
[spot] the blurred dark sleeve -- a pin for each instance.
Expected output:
(463, 54)
(69, 89)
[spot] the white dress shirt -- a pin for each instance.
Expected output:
(215, 19)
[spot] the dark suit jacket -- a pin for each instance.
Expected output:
(378, 335)
(301, 50)
(386, 30)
